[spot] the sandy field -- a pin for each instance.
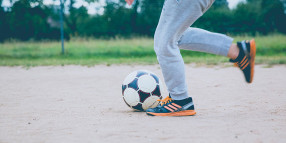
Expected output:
(75, 104)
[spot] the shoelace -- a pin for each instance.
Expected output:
(165, 100)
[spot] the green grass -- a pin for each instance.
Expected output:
(271, 50)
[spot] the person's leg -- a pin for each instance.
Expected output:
(242, 53)
(196, 39)
(176, 17)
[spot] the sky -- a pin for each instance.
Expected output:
(94, 8)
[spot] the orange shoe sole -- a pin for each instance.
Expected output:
(252, 59)
(180, 113)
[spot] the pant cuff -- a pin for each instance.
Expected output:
(225, 46)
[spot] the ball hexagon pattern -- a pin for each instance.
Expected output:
(141, 90)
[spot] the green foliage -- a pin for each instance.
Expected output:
(220, 4)
(259, 16)
(264, 16)
(25, 22)
(149, 16)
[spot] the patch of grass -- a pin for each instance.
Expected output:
(271, 50)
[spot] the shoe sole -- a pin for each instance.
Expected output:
(180, 113)
(252, 59)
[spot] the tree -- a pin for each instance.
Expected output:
(4, 27)
(25, 22)
(73, 15)
(149, 16)
(284, 5)
(31, 19)
(220, 4)
(272, 13)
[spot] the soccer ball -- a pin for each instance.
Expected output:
(141, 90)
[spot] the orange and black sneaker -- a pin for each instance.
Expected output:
(246, 59)
(170, 107)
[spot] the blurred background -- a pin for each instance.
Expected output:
(111, 32)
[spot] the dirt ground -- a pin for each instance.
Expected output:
(73, 104)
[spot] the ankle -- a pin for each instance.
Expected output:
(233, 52)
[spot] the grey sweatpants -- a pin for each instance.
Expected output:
(174, 33)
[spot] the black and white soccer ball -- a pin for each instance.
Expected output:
(141, 90)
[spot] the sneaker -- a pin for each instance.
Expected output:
(170, 107)
(246, 59)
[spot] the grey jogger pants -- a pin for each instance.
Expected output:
(174, 33)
